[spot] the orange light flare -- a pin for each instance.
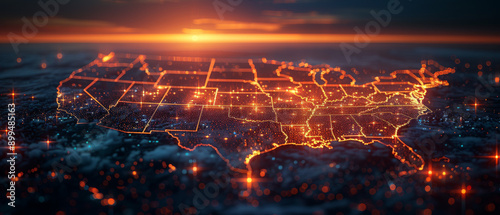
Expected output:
(195, 170)
(249, 181)
(475, 105)
(48, 142)
(463, 191)
(59, 56)
(43, 65)
(13, 94)
(12, 148)
(495, 157)
(108, 57)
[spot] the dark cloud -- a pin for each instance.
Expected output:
(321, 16)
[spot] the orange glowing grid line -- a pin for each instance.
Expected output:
(424, 83)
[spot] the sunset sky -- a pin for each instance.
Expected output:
(307, 20)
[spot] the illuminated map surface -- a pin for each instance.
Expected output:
(243, 108)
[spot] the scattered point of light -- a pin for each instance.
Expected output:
(59, 56)
(171, 168)
(44, 65)
(111, 201)
(392, 187)
(195, 169)
(134, 173)
(361, 207)
(464, 191)
(19, 60)
(430, 172)
(444, 173)
(97, 195)
(249, 180)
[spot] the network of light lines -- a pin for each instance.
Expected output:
(243, 108)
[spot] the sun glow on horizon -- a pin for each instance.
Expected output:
(255, 38)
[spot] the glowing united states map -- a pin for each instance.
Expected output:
(243, 108)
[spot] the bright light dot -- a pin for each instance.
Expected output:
(463, 191)
(108, 57)
(249, 180)
(430, 172)
(59, 56)
(194, 38)
(195, 169)
(496, 156)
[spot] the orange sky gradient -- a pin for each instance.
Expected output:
(175, 21)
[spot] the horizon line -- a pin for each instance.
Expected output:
(258, 38)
